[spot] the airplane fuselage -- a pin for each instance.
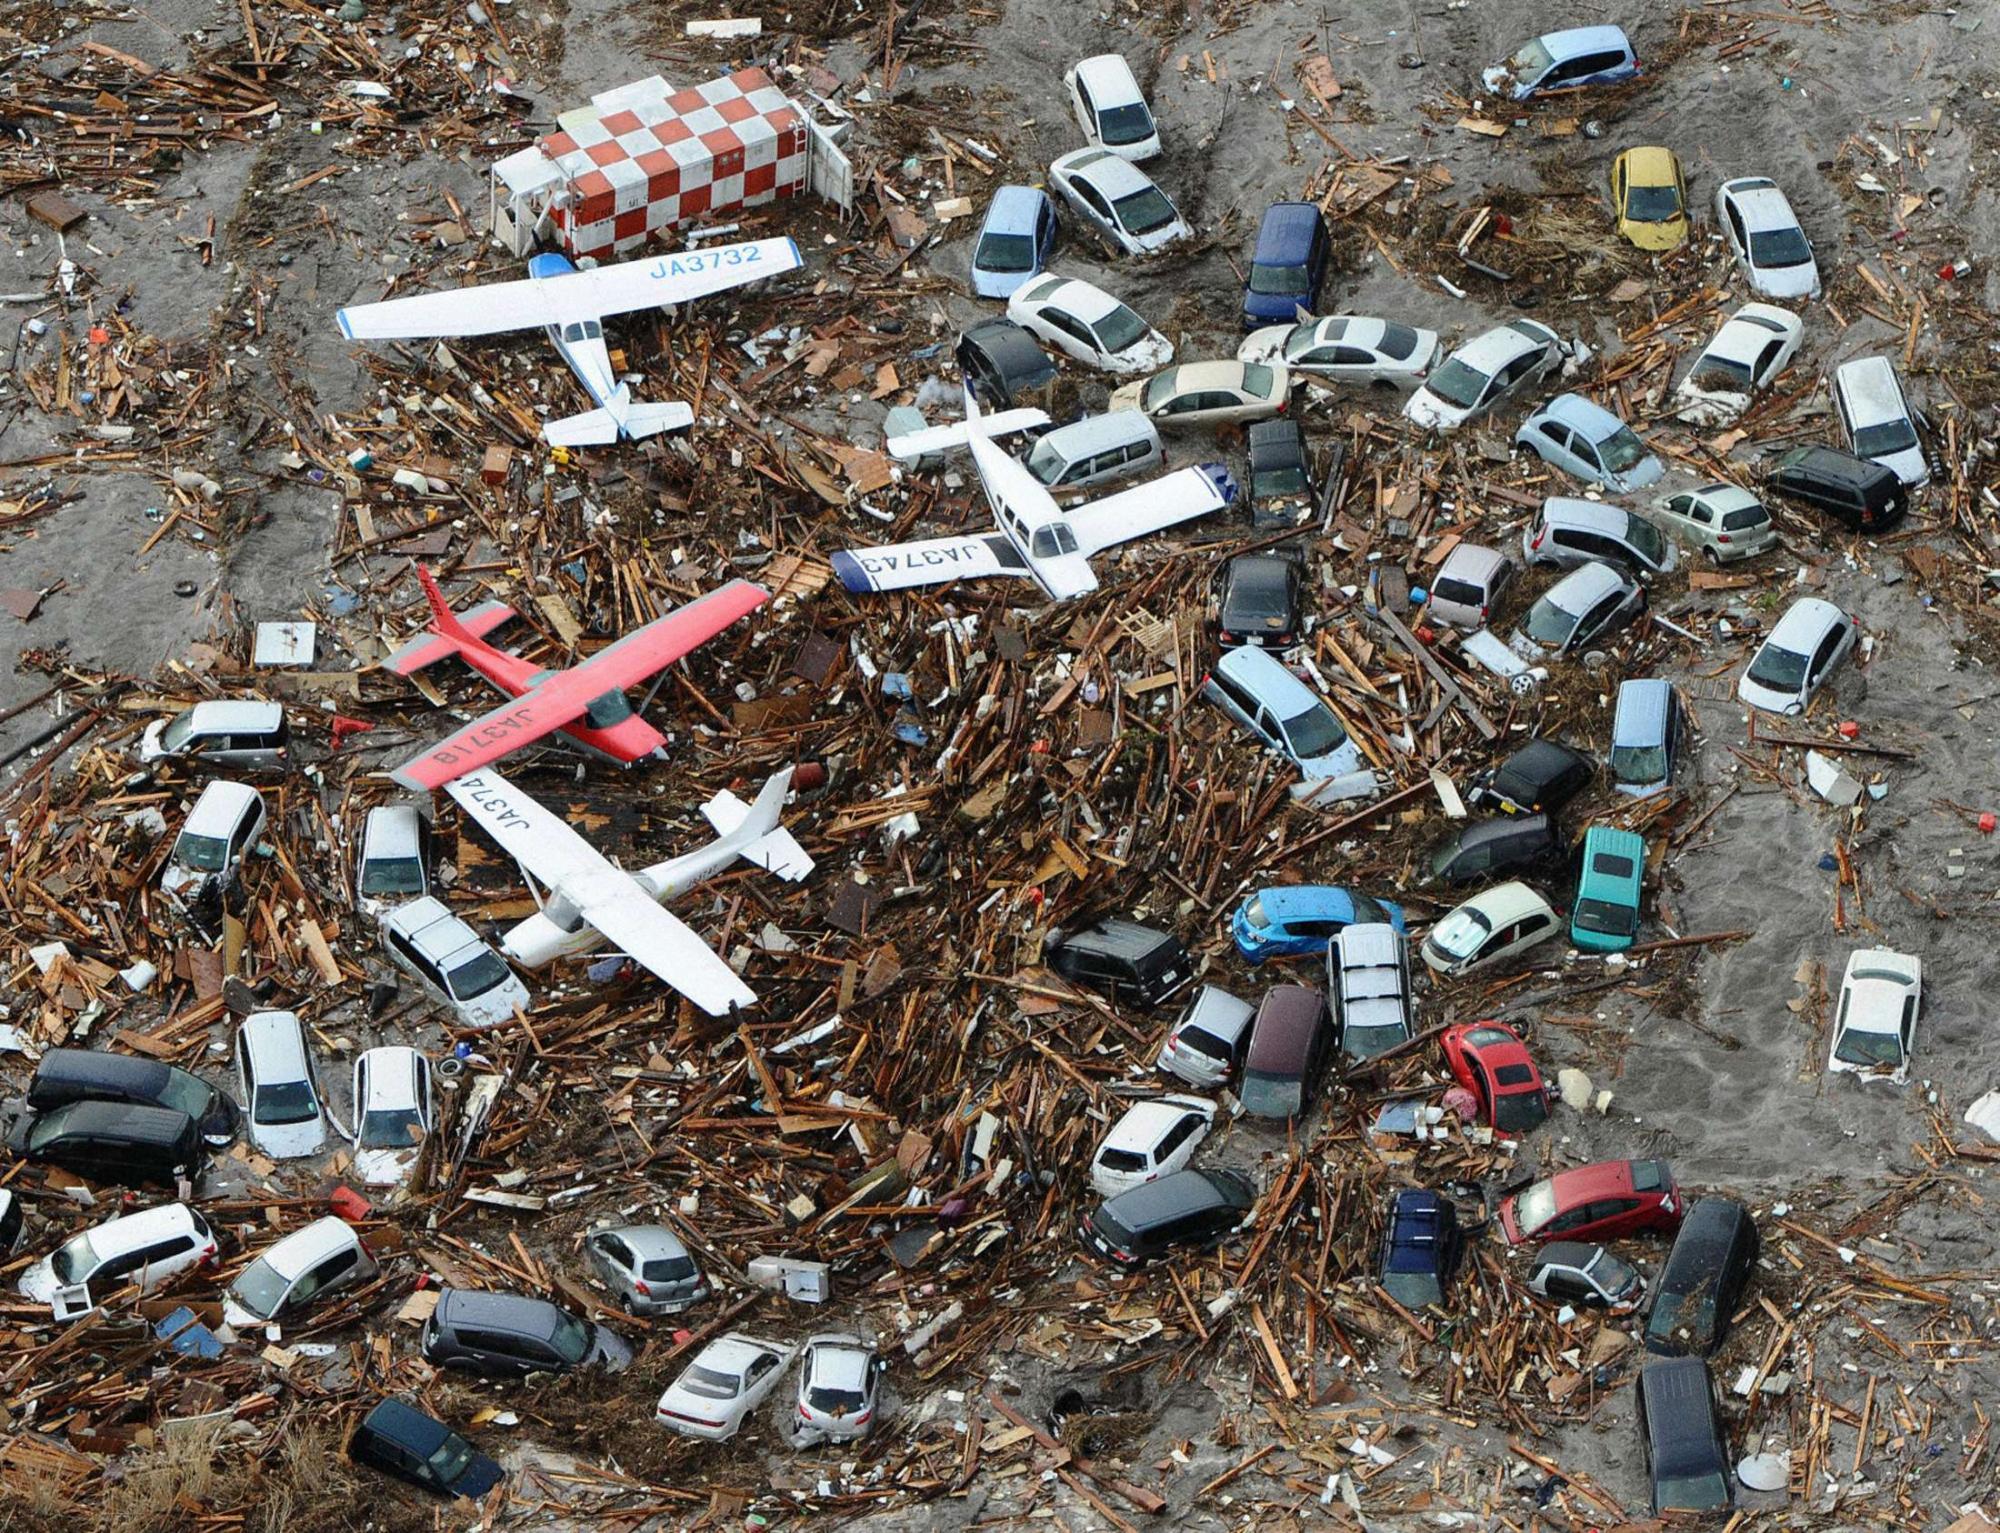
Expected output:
(1030, 520)
(580, 343)
(610, 728)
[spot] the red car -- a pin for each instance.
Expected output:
(1492, 1063)
(1595, 1202)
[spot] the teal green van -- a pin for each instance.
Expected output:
(1604, 918)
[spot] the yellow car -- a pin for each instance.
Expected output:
(1650, 198)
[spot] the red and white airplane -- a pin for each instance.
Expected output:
(586, 702)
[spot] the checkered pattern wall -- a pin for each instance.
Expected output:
(735, 142)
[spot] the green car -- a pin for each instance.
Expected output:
(1604, 918)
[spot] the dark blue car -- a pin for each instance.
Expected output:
(401, 1440)
(1302, 918)
(1287, 266)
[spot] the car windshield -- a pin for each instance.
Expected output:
(1869, 1049)
(571, 1339)
(75, 1260)
(1610, 1274)
(179, 732)
(1518, 1113)
(1143, 211)
(1535, 1207)
(1621, 450)
(1045, 463)
(477, 977)
(1720, 375)
(1254, 913)
(1119, 329)
(1694, 1491)
(1281, 280)
(1270, 1096)
(1880, 441)
(1549, 624)
(1314, 732)
(451, 1460)
(184, 1093)
(1638, 763)
(1779, 248)
(1460, 933)
(205, 854)
(393, 875)
(1160, 388)
(1456, 383)
(1604, 916)
(1299, 341)
(1005, 253)
(1365, 1042)
(259, 1289)
(1126, 124)
(709, 1383)
(397, 1128)
(1531, 60)
(1652, 204)
(1289, 480)
(1367, 911)
(285, 1102)
(1778, 669)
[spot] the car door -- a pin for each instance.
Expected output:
(1176, 1147)
(1232, 699)
(613, 1257)
(1068, 335)
(1045, 233)
(1733, 216)
(1561, 1283)
(761, 1375)
(1618, 182)
(1087, 109)
(1555, 447)
(1822, 659)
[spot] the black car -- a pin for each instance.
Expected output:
(504, 1335)
(1506, 847)
(1420, 1248)
(1001, 361)
(403, 1441)
(1681, 1432)
(1182, 1208)
(1281, 477)
(1862, 496)
(111, 1142)
(92, 1075)
(1539, 778)
(1125, 960)
(1703, 1280)
(1257, 601)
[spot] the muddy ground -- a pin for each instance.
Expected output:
(1713, 1068)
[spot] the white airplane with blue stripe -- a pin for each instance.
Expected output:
(571, 305)
(1035, 538)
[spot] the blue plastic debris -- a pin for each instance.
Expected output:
(1418, 596)
(910, 732)
(605, 969)
(1828, 863)
(574, 569)
(184, 1332)
(897, 685)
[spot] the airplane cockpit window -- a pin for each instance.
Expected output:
(607, 710)
(572, 332)
(564, 914)
(592, 330)
(1048, 542)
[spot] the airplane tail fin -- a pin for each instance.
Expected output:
(593, 428)
(619, 416)
(650, 420)
(752, 830)
(449, 631)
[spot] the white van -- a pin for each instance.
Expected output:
(395, 861)
(1876, 418)
(145, 1248)
(1095, 449)
(220, 831)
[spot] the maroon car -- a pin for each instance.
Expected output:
(1595, 1202)
(1490, 1061)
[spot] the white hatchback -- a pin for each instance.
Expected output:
(1764, 232)
(282, 1108)
(1489, 927)
(1797, 655)
(1754, 345)
(146, 1249)
(1875, 1030)
(1153, 1138)
(1110, 107)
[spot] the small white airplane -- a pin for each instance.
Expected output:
(1037, 539)
(571, 305)
(591, 901)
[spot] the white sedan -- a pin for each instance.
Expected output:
(1754, 345)
(1764, 233)
(1875, 1029)
(1347, 348)
(729, 1378)
(1119, 199)
(1152, 1139)
(1208, 394)
(1087, 323)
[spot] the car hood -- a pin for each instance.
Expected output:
(1909, 465)
(1127, 396)
(1265, 345)
(1500, 78)
(1787, 282)
(149, 742)
(1647, 471)
(993, 284)
(1668, 235)
(610, 1351)
(384, 1168)
(237, 1318)
(1337, 764)
(1161, 237)
(496, 1005)
(1709, 407)
(1758, 695)
(1427, 409)
(39, 1281)
(481, 1474)
(287, 1141)
(1144, 356)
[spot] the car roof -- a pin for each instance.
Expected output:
(1581, 414)
(1280, 432)
(124, 1120)
(1680, 1447)
(734, 1352)
(1283, 902)
(1746, 332)
(1369, 945)
(317, 1241)
(1417, 1219)
(1132, 938)
(1112, 174)
(1286, 231)
(1014, 209)
(1541, 762)
(1106, 71)
(1708, 1227)
(839, 1361)
(1641, 705)
(1571, 41)
(1085, 300)
(1094, 432)
(408, 1426)
(1473, 563)
(1267, 677)
(220, 808)
(1609, 841)
(1494, 349)
(101, 1066)
(1649, 165)
(1216, 1011)
(1010, 347)
(1727, 497)
(391, 830)
(1287, 1019)
(1211, 375)
(1506, 903)
(1169, 1196)
(1869, 386)
(518, 1313)
(392, 1076)
(649, 1242)
(223, 715)
(1762, 204)
(116, 1236)
(1804, 624)
(1876, 1005)
(276, 1041)
(1567, 1253)
(1501, 827)
(432, 929)
(1572, 511)
(1144, 1122)
(1585, 585)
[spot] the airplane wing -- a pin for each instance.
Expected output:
(532, 301)
(610, 899)
(932, 562)
(565, 696)
(1146, 508)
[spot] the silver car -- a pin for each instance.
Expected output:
(1724, 521)
(648, 1267)
(447, 958)
(1590, 600)
(233, 733)
(1119, 200)
(839, 1389)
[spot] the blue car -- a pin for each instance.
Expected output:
(1015, 242)
(1302, 918)
(1287, 266)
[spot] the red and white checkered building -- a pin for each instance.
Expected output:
(646, 157)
